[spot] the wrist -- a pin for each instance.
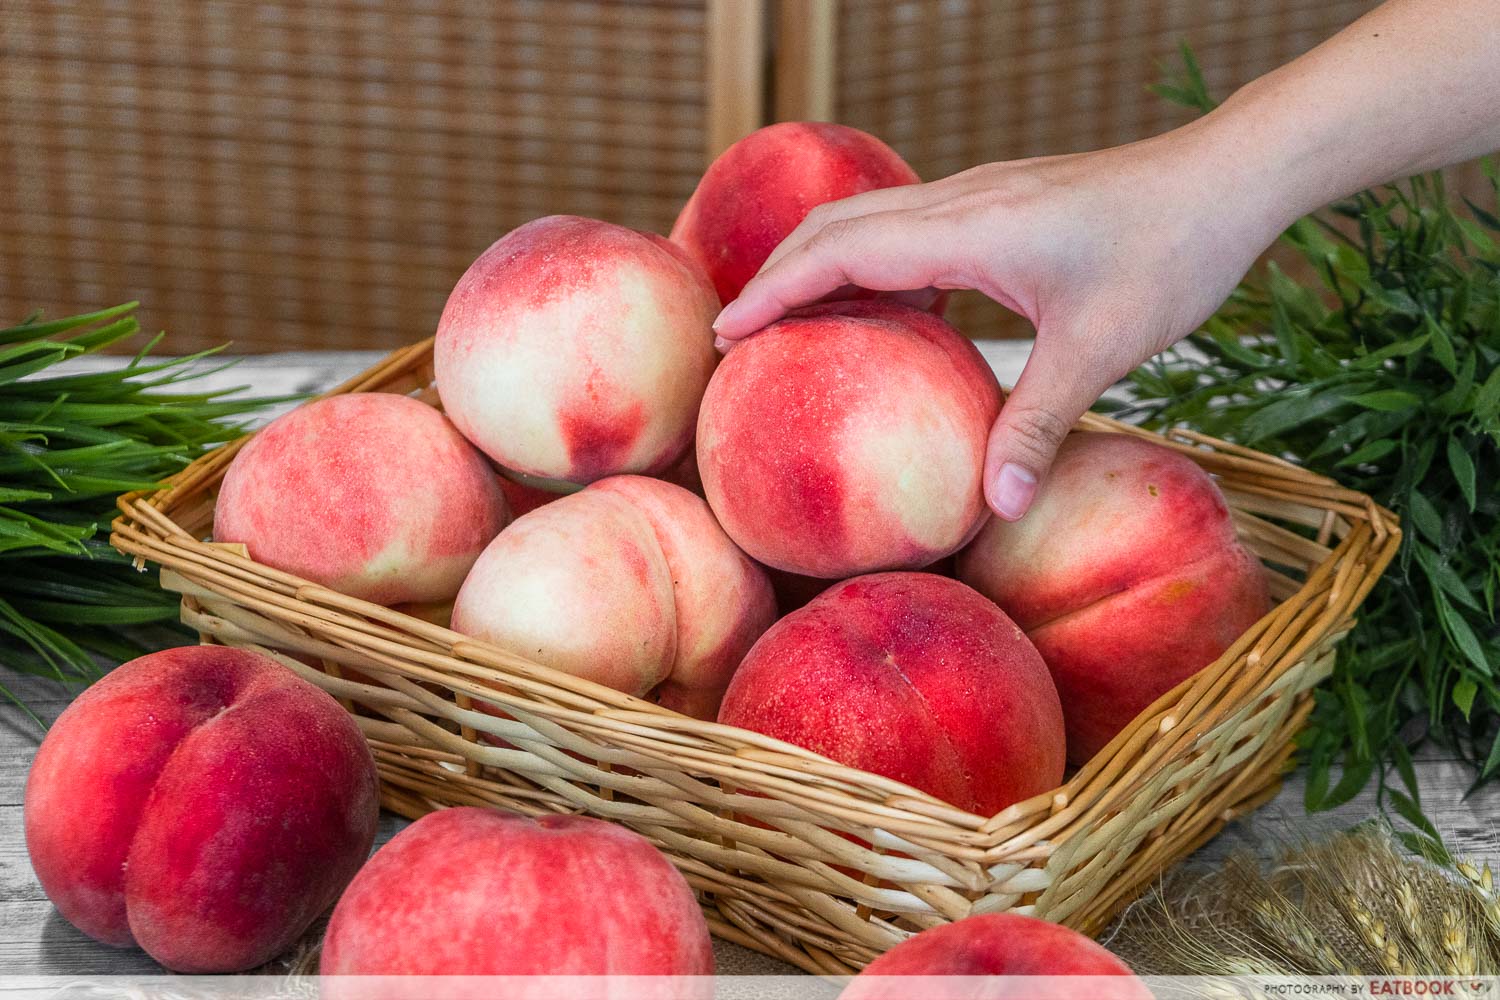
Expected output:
(1223, 177)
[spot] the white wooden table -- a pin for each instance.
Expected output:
(34, 940)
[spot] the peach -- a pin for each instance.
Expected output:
(759, 189)
(574, 349)
(372, 494)
(630, 583)
(474, 892)
(1127, 575)
(912, 676)
(996, 944)
(203, 803)
(847, 438)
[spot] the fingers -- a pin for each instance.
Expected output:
(894, 199)
(1057, 387)
(886, 251)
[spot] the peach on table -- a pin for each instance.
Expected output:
(203, 803)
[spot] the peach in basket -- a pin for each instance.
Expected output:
(574, 349)
(631, 583)
(912, 676)
(1126, 573)
(849, 438)
(759, 189)
(375, 495)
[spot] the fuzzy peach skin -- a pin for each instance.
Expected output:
(1127, 575)
(574, 349)
(373, 494)
(630, 583)
(847, 438)
(912, 676)
(475, 892)
(996, 944)
(204, 803)
(762, 187)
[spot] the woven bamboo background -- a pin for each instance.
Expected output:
(286, 174)
(289, 175)
(815, 863)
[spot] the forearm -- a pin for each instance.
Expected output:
(1412, 86)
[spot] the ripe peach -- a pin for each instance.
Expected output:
(912, 676)
(373, 494)
(204, 803)
(574, 349)
(849, 437)
(996, 944)
(631, 583)
(762, 187)
(1127, 575)
(474, 892)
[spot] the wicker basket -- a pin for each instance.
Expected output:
(793, 855)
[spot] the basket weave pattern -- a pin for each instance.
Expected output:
(793, 855)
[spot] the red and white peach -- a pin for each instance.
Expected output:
(373, 494)
(848, 438)
(761, 188)
(475, 892)
(912, 676)
(574, 349)
(1126, 573)
(630, 583)
(203, 803)
(1046, 955)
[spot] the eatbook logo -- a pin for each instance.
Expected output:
(1401, 986)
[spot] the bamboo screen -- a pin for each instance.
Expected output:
(290, 174)
(286, 174)
(953, 83)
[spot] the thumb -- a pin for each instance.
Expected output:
(1058, 384)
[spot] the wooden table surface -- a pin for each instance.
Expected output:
(34, 940)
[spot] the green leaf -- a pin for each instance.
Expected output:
(1464, 691)
(1462, 465)
(1462, 635)
(1427, 841)
(1489, 219)
(1369, 453)
(1386, 400)
(1442, 345)
(1290, 412)
(1421, 512)
(1400, 349)
(1444, 577)
(1487, 402)
(1491, 762)
(1315, 792)
(1356, 775)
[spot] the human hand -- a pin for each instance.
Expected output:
(1113, 255)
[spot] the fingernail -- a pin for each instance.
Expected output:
(726, 314)
(1012, 491)
(722, 345)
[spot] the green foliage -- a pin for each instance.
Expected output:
(70, 442)
(1383, 372)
